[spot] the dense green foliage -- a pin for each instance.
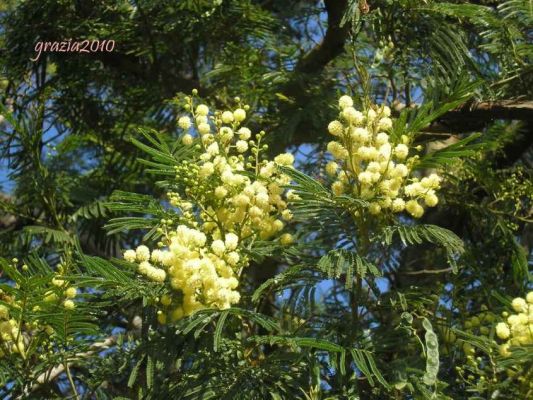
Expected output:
(361, 305)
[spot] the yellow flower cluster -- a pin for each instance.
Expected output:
(16, 333)
(517, 330)
(479, 369)
(367, 164)
(204, 275)
(65, 295)
(479, 324)
(231, 195)
(11, 339)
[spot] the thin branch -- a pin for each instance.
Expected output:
(54, 372)
(429, 271)
(333, 43)
(500, 109)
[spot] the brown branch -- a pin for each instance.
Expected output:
(475, 116)
(501, 109)
(52, 373)
(7, 221)
(333, 43)
(470, 117)
(429, 271)
(308, 71)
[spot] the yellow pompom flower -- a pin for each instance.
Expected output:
(374, 208)
(338, 188)
(331, 168)
(345, 101)
(431, 199)
(244, 133)
(286, 215)
(71, 292)
(519, 304)
(142, 253)
(502, 330)
(398, 205)
(401, 151)
(184, 123)
(221, 192)
(504, 350)
(218, 247)
(202, 110)
(69, 305)
(529, 297)
(385, 124)
(4, 312)
(353, 116)
(239, 114)
(50, 297)
(166, 300)
(187, 139)
(286, 239)
(227, 117)
(204, 128)
(284, 159)
(414, 208)
(241, 146)
(335, 128)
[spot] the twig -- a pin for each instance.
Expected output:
(71, 381)
(54, 372)
(429, 271)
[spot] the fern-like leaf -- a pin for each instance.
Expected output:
(341, 261)
(417, 234)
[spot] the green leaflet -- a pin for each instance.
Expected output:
(449, 154)
(49, 235)
(164, 157)
(342, 261)
(293, 272)
(417, 234)
(412, 122)
(218, 330)
(364, 361)
(294, 342)
(135, 372)
(150, 372)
